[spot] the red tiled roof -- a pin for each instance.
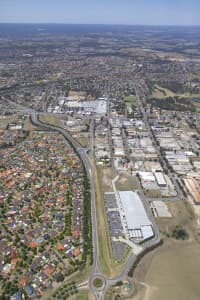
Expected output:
(60, 247)
(76, 252)
(23, 281)
(14, 261)
(33, 244)
(76, 233)
(49, 270)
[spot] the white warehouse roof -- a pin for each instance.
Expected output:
(160, 178)
(147, 176)
(135, 214)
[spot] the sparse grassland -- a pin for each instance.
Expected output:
(53, 119)
(53, 78)
(170, 272)
(153, 193)
(5, 120)
(138, 52)
(77, 94)
(29, 126)
(161, 93)
(131, 98)
(127, 183)
(105, 179)
(83, 140)
(197, 105)
(103, 234)
(82, 295)
(173, 274)
(182, 215)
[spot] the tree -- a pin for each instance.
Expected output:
(179, 233)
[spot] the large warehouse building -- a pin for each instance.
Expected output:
(137, 223)
(160, 179)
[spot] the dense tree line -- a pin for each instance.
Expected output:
(87, 222)
(173, 103)
(174, 86)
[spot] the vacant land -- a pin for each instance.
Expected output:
(160, 92)
(52, 119)
(15, 119)
(5, 120)
(138, 52)
(29, 126)
(82, 139)
(82, 295)
(171, 271)
(197, 105)
(105, 178)
(182, 215)
(77, 94)
(173, 274)
(127, 183)
(130, 98)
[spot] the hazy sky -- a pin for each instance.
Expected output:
(162, 12)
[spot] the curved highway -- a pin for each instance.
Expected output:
(89, 169)
(96, 268)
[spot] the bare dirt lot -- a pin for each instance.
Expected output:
(105, 177)
(172, 270)
(127, 182)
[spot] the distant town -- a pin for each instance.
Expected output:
(99, 156)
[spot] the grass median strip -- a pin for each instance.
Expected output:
(109, 266)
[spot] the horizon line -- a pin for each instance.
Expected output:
(99, 24)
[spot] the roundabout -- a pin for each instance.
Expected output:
(98, 283)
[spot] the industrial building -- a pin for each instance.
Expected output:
(193, 187)
(137, 223)
(73, 105)
(160, 179)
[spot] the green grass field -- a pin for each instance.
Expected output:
(98, 283)
(131, 98)
(53, 78)
(162, 93)
(82, 295)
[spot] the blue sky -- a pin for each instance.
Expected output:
(147, 12)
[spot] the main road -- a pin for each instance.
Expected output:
(96, 268)
(172, 176)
